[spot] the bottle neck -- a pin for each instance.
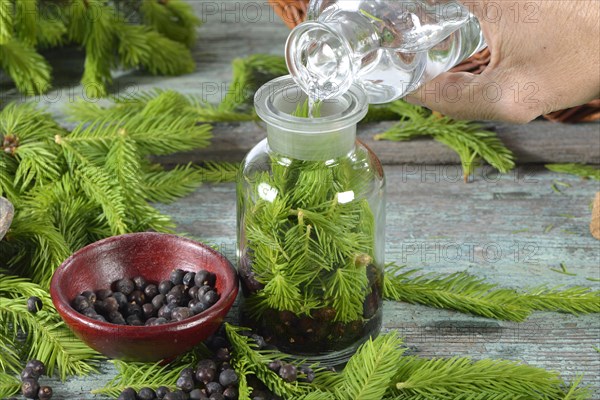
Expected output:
(325, 56)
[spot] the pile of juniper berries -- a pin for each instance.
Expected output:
(138, 302)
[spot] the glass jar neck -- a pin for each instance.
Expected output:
(311, 147)
(329, 136)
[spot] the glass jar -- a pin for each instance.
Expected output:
(311, 227)
(389, 47)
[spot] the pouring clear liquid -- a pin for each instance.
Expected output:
(388, 47)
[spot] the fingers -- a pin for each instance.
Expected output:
(464, 95)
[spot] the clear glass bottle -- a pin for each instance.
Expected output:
(311, 226)
(390, 47)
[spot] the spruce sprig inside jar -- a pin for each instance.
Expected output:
(311, 227)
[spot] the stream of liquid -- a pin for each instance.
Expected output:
(311, 106)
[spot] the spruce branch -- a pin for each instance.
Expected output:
(48, 338)
(468, 139)
(468, 294)
(206, 112)
(449, 378)
(6, 21)
(582, 170)
(575, 300)
(9, 385)
(219, 172)
(138, 375)
(37, 163)
(10, 362)
(458, 291)
(26, 21)
(174, 19)
(52, 30)
(167, 186)
(157, 40)
(248, 75)
(242, 367)
(8, 166)
(36, 246)
(245, 349)
(371, 369)
(28, 69)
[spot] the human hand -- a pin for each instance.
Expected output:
(545, 57)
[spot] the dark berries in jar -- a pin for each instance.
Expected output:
(159, 300)
(109, 305)
(134, 309)
(201, 278)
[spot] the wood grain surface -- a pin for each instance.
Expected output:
(510, 229)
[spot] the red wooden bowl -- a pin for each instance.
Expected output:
(153, 256)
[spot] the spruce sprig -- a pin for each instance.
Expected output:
(369, 371)
(582, 170)
(48, 338)
(469, 140)
(72, 188)
(308, 249)
(137, 375)
(220, 172)
(246, 353)
(10, 361)
(465, 293)
(458, 291)
(574, 300)
(448, 378)
(248, 75)
(9, 385)
(145, 34)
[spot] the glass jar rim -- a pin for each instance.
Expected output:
(354, 101)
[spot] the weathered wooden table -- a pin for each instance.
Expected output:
(509, 229)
